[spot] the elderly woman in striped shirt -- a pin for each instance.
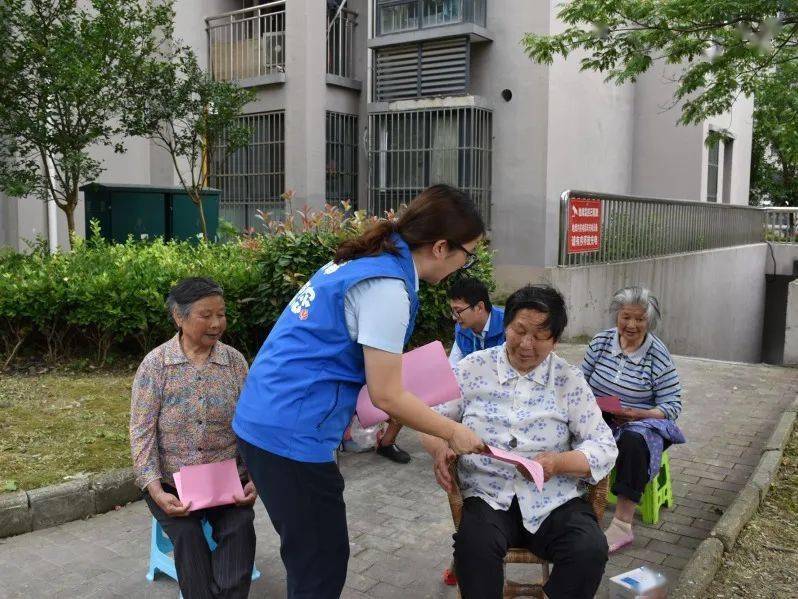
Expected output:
(630, 362)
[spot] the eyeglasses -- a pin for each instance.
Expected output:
(457, 313)
(471, 257)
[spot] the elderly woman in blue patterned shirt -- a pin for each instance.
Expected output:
(521, 397)
(631, 363)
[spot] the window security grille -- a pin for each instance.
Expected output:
(341, 162)
(411, 150)
(253, 177)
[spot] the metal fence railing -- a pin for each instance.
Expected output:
(781, 225)
(394, 16)
(247, 43)
(341, 43)
(635, 228)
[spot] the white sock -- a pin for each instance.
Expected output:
(618, 532)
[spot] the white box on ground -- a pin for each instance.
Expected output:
(639, 583)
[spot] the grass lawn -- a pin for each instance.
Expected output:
(764, 561)
(53, 426)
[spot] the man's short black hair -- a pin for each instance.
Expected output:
(470, 290)
(543, 298)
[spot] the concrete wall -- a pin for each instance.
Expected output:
(669, 159)
(791, 329)
(712, 302)
(519, 131)
(8, 222)
(785, 254)
(590, 135)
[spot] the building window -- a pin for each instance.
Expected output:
(342, 158)
(395, 16)
(728, 155)
(712, 172)
(253, 177)
(411, 150)
(433, 68)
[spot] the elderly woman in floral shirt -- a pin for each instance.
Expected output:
(522, 397)
(184, 396)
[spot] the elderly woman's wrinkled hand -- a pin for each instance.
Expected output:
(630, 415)
(171, 505)
(442, 467)
(550, 462)
(250, 495)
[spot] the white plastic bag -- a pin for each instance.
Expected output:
(363, 438)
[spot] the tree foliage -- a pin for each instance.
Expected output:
(774, 159)
(723, 48)
(67, 69)
(189, 115)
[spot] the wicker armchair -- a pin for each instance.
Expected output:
(597, 496)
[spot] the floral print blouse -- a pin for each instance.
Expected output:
(550, 408)
(180, 414)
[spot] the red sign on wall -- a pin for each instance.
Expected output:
(584, 225)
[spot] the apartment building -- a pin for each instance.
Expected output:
(373, 100)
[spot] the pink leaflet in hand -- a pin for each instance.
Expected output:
(426, 373)
(610, 404)
(208, 485)
(532, 467)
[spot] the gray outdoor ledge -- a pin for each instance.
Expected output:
(474, 32)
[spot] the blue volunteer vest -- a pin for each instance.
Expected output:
(468, 342)
(301, 390)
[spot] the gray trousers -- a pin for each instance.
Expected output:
(225, 573)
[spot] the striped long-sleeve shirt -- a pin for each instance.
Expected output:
(644, 379)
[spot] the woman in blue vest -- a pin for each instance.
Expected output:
(347, 326)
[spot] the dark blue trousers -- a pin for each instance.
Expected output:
(305, 502)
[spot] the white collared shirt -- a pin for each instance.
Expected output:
(550, 408)
(457, 354)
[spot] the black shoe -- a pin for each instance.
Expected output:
(392, 452)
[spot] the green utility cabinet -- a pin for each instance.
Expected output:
(146, 212)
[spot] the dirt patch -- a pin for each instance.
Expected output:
(764, 561)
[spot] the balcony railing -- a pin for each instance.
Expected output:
(248, 43)
(634, 228)
(395, 16)
(781, 225)
(341, 43)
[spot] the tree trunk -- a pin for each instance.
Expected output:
(69, 210)
(203, 225)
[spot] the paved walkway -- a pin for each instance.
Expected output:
(399, 519)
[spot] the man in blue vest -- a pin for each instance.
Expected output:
(479, 324)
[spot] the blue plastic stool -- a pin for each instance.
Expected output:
(161, 548)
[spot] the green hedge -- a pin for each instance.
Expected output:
(102, 299)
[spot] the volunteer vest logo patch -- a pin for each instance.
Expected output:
(331, 267)
(302, 301)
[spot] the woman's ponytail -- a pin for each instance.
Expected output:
(438, 212)
(373, 241)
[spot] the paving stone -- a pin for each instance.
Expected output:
(399, 521)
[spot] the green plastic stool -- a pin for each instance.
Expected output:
(658, 492)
